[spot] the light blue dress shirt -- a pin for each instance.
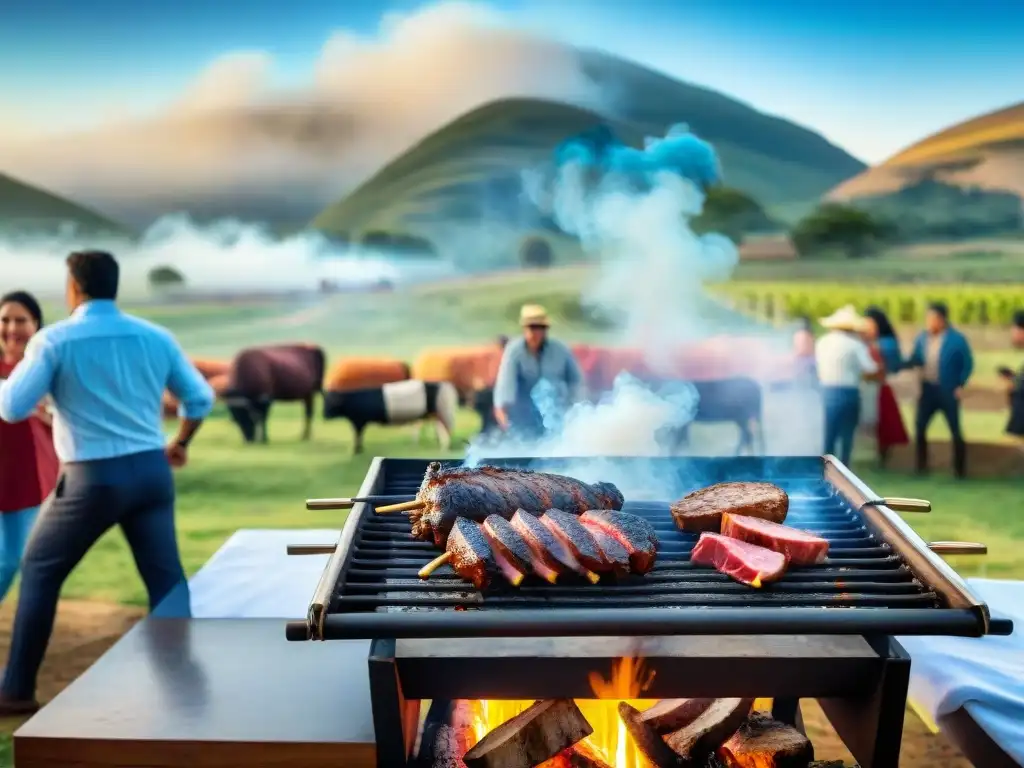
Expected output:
(106, 372)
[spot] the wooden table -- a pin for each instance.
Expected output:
(209, 693)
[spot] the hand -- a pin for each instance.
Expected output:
(958, 392)
(177, 454)
(501, 418)
(43, 414)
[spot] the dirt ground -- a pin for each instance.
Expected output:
(85, 630)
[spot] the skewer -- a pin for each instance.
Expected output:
(406, 506)
(434, 564)
(348, 503)
(958, 548)
(901, 505)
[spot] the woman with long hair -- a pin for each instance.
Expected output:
(885, 349)
(28, 461)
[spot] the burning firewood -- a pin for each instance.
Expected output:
(762, 742)
(711, 728)
(670, 715)
(537, 734)
(580, 755)
(446, 741)
(647, 739)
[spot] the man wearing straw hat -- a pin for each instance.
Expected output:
(843, 361)
(528, 360)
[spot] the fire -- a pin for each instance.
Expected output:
(628, 680)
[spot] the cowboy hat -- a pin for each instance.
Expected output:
(844, 319)
(533, 314)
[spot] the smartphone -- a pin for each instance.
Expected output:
(1005, 372)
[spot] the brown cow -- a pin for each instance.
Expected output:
(261, 375)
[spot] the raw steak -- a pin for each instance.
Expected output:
(799, 547)
(747, 563)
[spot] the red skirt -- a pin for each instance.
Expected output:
(890, 421)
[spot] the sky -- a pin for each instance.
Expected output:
(873, 76)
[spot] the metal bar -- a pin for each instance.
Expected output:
(394, 714)
(540, 601)
(653, 621)
(926, 565)
(311, 549)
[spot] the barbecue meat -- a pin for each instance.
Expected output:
(702, 510)
(478, 493)
(568, 529)
(474, 560)
(509, 545)
(711, 728)
(546, 548)
(615, 555)
(632, 531)
(799, 547)
(747, 563)
(762, 742)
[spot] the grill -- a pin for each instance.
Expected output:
(880, 577)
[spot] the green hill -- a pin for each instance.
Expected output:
(465, 180)
(28, 210)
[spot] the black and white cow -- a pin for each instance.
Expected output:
(738, 400)
(400, 402)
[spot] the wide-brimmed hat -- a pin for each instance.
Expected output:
(844, 319)
(533, 314)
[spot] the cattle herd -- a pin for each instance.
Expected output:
(372, 390)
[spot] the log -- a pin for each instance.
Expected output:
(647, 740)
(580, 755)
(761, 742)
(670, 715)
(447, 735)
(710, 730)
(537, 734)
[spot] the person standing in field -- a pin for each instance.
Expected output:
(1015, 384)
(106, 372)
(943, 356)
(885, 351)
(843, 362)
(28, 461)
(527, 361)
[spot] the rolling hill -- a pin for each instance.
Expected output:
(28, 210)
(986, 152)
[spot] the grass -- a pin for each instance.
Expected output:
(24, 208)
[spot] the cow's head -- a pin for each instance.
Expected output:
(245, 414)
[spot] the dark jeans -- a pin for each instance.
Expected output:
(933, 400)
(842, 414)
(135, 492)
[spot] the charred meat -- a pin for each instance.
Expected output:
(474, 559)
(615, 555)
(451, 493)
(631, 531)
(702, 510)
(507, 544)
(568, 529)
(746, 563)
(799, 547)
(548, 550)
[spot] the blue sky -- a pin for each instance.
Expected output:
(872, 75)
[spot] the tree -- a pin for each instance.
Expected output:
(838, 228)
(165, 277)
(733, 213)
(536, 253)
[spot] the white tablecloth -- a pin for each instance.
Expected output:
(253, 577)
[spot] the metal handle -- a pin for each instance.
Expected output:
(311, 549)
(958, 548)
(330, 503)
(897, 504)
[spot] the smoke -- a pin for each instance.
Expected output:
(632, 210)
(234, 144)
(228, 257)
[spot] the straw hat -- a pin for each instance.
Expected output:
(533, 314)
(844, 319)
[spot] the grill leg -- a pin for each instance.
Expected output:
(788, 711)
(395, 718)
(872, 727)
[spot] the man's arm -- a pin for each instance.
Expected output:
(30, 382)
(869, 368)
(192, 390)
(505, 386)
(968, 365)
(916, 359)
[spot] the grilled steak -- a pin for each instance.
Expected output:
(747, 563)
(702, 510)
(478, 493)
(548, 550)
(799, 547)
(572, 534)
(762, 742)
(471, 555)
(632, 531)
(711, 728)
(508, 544)
(615, 555)
(670, 715)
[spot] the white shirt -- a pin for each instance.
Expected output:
(842, 360)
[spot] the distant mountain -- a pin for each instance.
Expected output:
(28, 210)
(985, 152)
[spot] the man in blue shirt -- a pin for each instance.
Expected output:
(944, 357)
(106, 373)
(527, 361)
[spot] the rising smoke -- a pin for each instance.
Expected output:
(631, 210)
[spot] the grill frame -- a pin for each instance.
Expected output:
(960, 612)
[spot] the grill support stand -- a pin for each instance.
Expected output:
(860, 683)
